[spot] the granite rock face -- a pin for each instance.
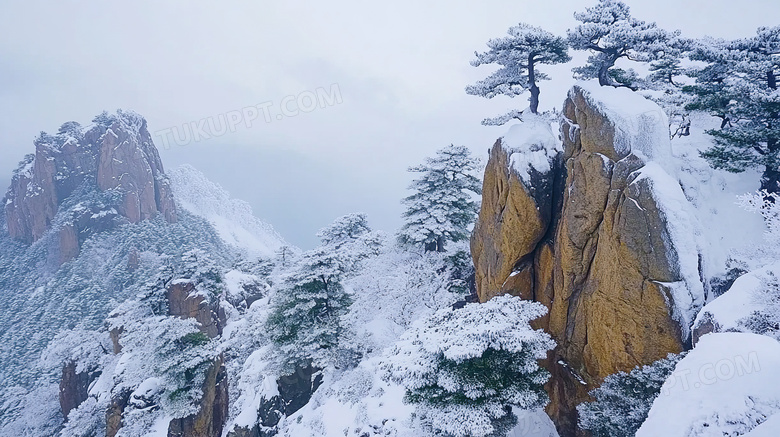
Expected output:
(512, 222)
(116, 156)
(213, 412)
(186, 303)
(185, 299)
(604, 259)
(74, 387)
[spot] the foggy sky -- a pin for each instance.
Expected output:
(400, 68)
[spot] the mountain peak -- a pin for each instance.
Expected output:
(114, 155)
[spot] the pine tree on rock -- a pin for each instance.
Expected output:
(750, 102)
(610, 33)
(519, 56)
(464, 369)
(442, 209)
(305, 319)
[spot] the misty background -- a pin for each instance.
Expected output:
(401, 68)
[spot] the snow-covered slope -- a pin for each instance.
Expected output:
(753, 292)
(727, 386)
(232, 218)
(714, 197)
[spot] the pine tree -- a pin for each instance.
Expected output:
(519, 56)
(442, 208)
(624, 399)
(743, 74)
(710, 93)
(305, 320)
(464, 369)
(666, 86)
(610, 33)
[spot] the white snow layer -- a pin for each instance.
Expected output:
(741, 300)
(232, 218)
(728, 385)
(531, 145)
(641, 126)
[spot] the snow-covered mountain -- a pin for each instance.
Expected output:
(232, 218)
(182, 314)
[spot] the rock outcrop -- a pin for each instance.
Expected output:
(213, 412)
(619, 276)
(187, 302)
(116, 155)
(74, 387)
(514, 218)
(294, 392)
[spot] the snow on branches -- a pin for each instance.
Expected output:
(305, 318)
(519, 55)
(610, 33)
(464, 369)
(442, 208)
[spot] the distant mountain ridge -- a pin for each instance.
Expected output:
(88, 221)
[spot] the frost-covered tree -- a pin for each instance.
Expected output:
(710, 93)
(610, 33)
(286, 255)
(305, 319)
(442, 207)
(464, 369)
(519, 55)
(747, 95)
(666, 84)
(622, 402)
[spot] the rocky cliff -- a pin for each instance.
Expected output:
(598, 233)
(115, 156)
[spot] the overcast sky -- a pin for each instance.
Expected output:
(400, 68)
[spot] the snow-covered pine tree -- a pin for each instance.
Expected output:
(750, 137)
(305, 317)
(610, 33)
(286, 255)
(464, 369)
(519, 56)
(624, 399)
(442, 207)
(665, 85)
(710, 93)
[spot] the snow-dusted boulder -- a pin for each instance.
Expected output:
(601, 233)
(750, 305)
(726, 386)
(517, 207)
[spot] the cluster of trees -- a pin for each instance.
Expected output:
(305, 321)
(735, 80)
(306, 315)
(463, 369)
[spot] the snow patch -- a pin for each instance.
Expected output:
(741, 300)
(727, 385)
(531, 145)
(641, 126)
